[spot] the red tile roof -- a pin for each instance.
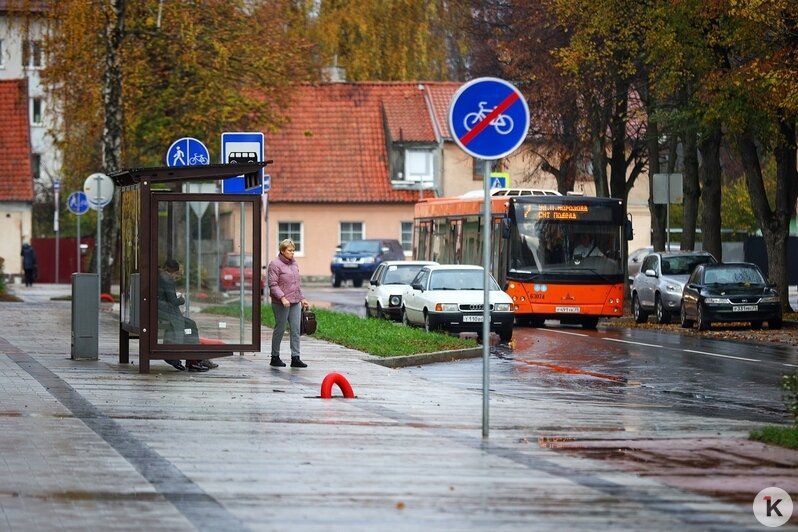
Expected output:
(334, 149)
(16, 181)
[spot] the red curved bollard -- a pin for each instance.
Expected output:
(108, 298)
(340, 380)
(210, 341)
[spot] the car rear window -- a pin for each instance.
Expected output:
(401, 274)
(361, 246)
(684, 265)
(234, 261)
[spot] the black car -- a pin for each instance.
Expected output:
(732, 291)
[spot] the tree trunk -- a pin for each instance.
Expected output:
(774, 223)
(657, 210)
(691, 190)
(618, 153)
(710, 174)
(112, 127)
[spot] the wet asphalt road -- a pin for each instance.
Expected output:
(635, 367)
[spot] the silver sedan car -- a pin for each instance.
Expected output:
(657, 288)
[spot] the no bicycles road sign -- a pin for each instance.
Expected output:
(489, 118)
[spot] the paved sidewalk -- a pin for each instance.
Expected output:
(94, 445)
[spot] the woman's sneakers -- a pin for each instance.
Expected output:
(210, 365)
(277, 363)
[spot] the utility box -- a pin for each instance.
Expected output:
(85, 316)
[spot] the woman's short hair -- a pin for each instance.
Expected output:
(285, 244)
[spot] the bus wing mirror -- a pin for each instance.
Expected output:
(505, 228)
(628, 230)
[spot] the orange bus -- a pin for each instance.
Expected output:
(558, 257)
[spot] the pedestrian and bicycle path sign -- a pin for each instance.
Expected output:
(187, 151)
(489, 118)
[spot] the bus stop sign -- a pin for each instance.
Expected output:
(488, 118)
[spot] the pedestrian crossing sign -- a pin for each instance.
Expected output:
(499, 180)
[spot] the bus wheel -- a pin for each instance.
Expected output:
(590, 323)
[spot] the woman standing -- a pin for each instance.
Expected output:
(287, 303)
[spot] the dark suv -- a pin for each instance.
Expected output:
(357, 259)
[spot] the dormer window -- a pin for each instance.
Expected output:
(419, 167)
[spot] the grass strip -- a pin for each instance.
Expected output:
(782, 436)
(377, 337)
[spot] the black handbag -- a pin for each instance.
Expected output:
(307, 323)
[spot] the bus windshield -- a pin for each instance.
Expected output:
(541, 244)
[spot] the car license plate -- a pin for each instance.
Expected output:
(350, 264)
(568, 310)
(745, 308)
(472, 319)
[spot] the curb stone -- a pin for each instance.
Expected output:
(426, 358)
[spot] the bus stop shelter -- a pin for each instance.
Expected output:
(178, 214)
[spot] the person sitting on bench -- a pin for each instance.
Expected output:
(179, 329)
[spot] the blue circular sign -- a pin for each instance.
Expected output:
(187, 151)
(488, 118)
(78, 203)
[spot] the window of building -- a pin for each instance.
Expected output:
(2, 54)
(478, 170)
(32, 54)
(36, 111)
(292, 230)
(407, 237)
(419, 166)
(36, 165)
(350, 231)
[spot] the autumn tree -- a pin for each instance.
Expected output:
(389, 40)
(130, 77)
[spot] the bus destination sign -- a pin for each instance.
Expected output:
(569, 212)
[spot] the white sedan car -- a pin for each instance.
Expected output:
(450, 297)
(390, 279)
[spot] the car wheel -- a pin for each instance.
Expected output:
(506, 334)
(757, 324)
(405, 321)
(590, 323)
(686, 324)
(336, 281)
(427, 325)
(775, 323)
(640, 315)
(380, 313)
(357, 283)
(368, 310)
(663, 316)
(703, 322)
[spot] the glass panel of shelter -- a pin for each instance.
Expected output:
(196, 241)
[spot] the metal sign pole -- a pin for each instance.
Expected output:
(99, 248)
(78, 246)
(56, 226)
(486, 252)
